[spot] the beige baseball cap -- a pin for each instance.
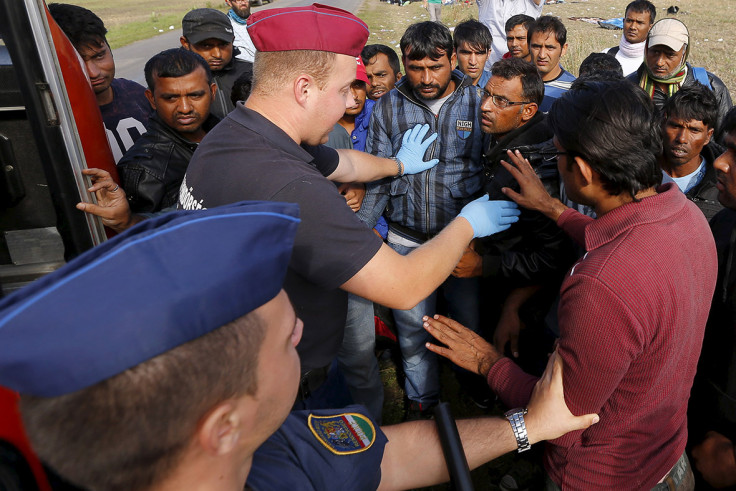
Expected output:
(669, 32)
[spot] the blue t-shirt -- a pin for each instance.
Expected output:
(319, 450)
(554, 89)
(126, 117)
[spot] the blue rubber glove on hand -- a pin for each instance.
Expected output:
(489, 217)
(411, 153)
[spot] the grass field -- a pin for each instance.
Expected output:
(708, 21)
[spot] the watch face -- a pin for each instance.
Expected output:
(518, 410)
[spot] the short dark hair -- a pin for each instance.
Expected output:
(532, 87)
(610, 125)
(81, 25)
(548, 23)
(241, 87)
(518, 19)
(372, 50)
(426, 40)
(474, 33)
(130, 431)
(173, 63)
(693, 102)
(601, 62)
(728, 125)
(642, 6)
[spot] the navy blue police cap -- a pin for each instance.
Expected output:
(164, 282)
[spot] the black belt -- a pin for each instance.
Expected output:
(408, 233)
(311, 380)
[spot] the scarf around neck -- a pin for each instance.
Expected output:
(629, 50)
(236, 17)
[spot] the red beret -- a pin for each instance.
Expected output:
(360, 73)
(316, 27)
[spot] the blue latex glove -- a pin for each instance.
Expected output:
(411, 153)
(489, 217)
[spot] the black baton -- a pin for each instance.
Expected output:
(452, 447)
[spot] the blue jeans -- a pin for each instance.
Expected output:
(357, 358)
(420, 365)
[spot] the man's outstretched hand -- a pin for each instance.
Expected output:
(533, 195)
(463, 347)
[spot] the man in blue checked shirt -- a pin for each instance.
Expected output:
(418, 207)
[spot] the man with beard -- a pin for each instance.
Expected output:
(208, 33)
(122, 102)
(181, 91)
(666, 69)
(638, 19)
(239, 13)
(418, 207)
(688, 149)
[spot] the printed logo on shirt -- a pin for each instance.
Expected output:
(464, 128)
(343, 434)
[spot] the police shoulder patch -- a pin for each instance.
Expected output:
(343, 434)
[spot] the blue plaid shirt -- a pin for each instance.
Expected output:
(428, 201)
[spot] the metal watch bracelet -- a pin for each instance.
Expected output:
(516, 419)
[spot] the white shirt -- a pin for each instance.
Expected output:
(243, 42)
(495, 13)
(628, 64)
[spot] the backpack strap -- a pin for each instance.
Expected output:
(701, 75)
(613, 51)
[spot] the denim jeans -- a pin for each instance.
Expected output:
(357, 358)
(421, 365)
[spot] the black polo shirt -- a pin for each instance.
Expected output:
(246, 157)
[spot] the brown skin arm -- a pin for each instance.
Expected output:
(112, 205)
(354, 194)
(464, 348)
(533, 195)
(413, 456)
(470, 265)
(715, 460)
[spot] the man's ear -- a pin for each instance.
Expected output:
(528, 111)
(184, 43)
(398, 76)
(563, 51)
(710, 136)
(151, 100)
(213, 89)
(303, 86)
(584, 170)
(221, 429)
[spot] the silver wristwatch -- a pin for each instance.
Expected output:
(516, 418)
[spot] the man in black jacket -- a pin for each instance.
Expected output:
(208, 33)
(665, 69)
(181, 91)
(533, 252)
(712, 408)
(688, 149)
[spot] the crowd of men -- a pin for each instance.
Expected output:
(491, 200)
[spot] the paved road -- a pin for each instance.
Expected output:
(130, 60)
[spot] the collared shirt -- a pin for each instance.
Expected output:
(426, 202)
(629, 341)
(686, 183)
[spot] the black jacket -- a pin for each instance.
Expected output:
(534, 249)
(705, 194)
(713, 399)
(719, 90)
(225, 79)
(152, 170)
